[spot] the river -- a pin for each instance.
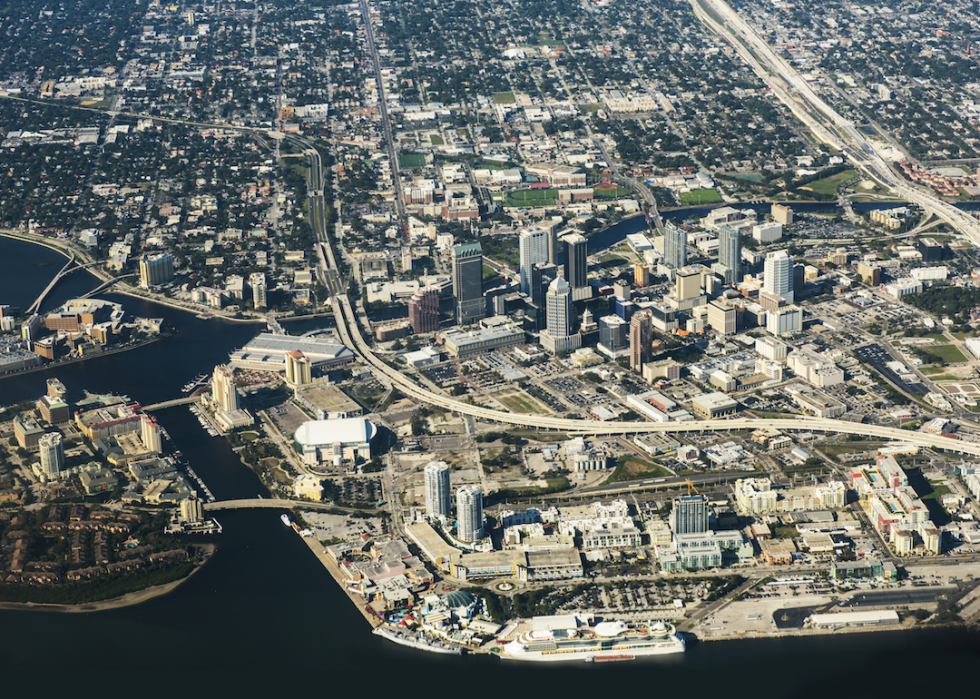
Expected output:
(263, 617)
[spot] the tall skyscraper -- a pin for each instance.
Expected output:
(438, 496)
(468, 283)
(778, 275)
(576, 262)
(299, 371)
(675, 246)
(558, 335)
(156, 269)
(223, 389)
(730, 252)
(641, 340)
(541, 278)
(52, 452)
(690, 514)
(469, 513)
(150, 435)
(553, 245)
(533, 250)
(423, 311)
(260, 292)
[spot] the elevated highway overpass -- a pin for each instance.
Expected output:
(352, 338)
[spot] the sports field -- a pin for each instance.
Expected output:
(700, 196)
(411, 161)
(532, 197)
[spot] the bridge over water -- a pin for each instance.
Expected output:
(65, 271)
(272, 504)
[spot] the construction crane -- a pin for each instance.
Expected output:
(690, 487)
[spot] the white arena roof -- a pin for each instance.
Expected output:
(351, 430)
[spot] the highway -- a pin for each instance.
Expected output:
(823, 121)
(350, 335)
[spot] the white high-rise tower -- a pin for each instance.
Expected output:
(438, 496)
(52, 452)
(779, 275)
(469, 513)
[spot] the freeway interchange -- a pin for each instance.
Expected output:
(823, 121)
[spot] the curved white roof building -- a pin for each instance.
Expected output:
(335, 441)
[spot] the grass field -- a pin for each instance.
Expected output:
(588, 108)
(488, 272)
(437, 140)
(504, 98)
(631, 468)
(949, 353)
(611, 259)
(532, 197)
(411, 161)
(521, 403)
(613, 191)
(700, 196)
(829, 185)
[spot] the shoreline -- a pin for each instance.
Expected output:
(128, 600)
(317, 548)
(76, 360)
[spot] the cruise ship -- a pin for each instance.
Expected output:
(606, 641)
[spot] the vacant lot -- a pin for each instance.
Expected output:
(949, 353)
(504, 98)
(520, 402)
(631, 468)
(829, 185)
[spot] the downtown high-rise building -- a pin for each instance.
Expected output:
(730, 252)
(469, 513)
(533, 247)
(468, 283)
(52, 453)
(558, 335)
(438, 496)
(576, 260)
(690, 514)
(778, 276)
(423, 311)
(614, 333)
(541, 278)
(223, 389)
(675, 246)
(641, 340)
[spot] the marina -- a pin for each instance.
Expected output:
(198, 381)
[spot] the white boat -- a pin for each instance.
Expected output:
(285, 520)
(419, 641)
(605, 642)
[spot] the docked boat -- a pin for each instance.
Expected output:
(285, 520)
(607, 641)
(419, 641)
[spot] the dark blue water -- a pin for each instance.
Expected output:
(263, 618)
